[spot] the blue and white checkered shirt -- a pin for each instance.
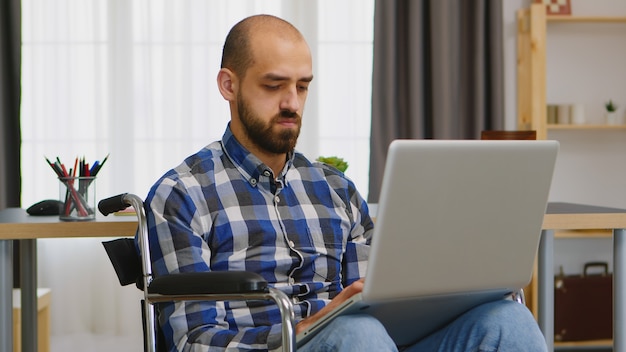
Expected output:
(306, 231)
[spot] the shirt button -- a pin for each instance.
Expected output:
(266, 173)
(276, 199)
(253, 181)
(292, 281)
(291, 244)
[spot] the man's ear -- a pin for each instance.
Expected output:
(226, 82)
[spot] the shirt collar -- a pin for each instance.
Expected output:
(247, 163)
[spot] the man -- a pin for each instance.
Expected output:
(250, 202)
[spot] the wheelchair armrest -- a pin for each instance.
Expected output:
(211, 282)
(125, 260)
(223, 285)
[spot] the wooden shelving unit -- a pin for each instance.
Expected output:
(582, 344)
(593, 19)
(532, 28)
(585, 127)
(531, 68)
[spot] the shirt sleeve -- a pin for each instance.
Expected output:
(357, 248)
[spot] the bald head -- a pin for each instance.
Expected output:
(238, 54)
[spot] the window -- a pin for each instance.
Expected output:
(136, 79)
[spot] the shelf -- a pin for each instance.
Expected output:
(594, 343)
(597, 19)
(532, 40)
(585, 127)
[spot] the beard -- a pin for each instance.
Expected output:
(262, 134)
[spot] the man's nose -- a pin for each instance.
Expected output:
(290, 100)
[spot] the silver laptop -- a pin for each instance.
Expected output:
(458, 225)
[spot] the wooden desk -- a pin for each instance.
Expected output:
(568, 216)
(16, 224)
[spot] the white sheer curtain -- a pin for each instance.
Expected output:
(136, 79)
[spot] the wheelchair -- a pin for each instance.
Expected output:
(132, 267)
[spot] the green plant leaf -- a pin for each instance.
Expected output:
(334, 161)
(610, 106)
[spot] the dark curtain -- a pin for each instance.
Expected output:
(10, 95)
(438, 73)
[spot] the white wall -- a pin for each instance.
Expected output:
(585, 64)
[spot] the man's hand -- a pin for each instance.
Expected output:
(354, 288)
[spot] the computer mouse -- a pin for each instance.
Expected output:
(45, 207)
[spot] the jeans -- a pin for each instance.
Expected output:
(497, 326)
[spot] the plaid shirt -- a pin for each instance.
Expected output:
(306, 231)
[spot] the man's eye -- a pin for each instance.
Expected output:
(303, 88)
(272, 87)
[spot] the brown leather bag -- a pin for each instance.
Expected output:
(583, 305)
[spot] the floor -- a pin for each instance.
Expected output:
(95, 343)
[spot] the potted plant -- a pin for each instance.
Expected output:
(334, 161)
(611, 113)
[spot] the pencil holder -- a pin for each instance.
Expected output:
(78, 195)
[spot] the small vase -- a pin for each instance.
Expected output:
(563, 114)
(577, 112)
(612, 118)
